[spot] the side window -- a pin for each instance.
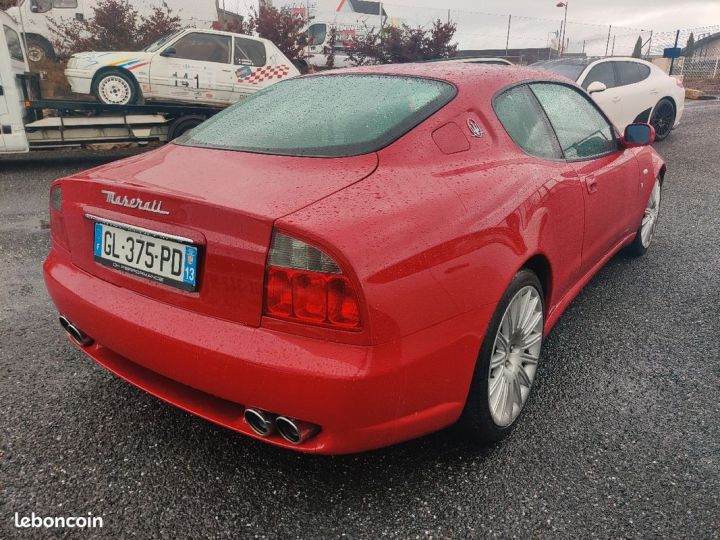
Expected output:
(203, 48)
(40, 6)
(65, 3)
(526, 123)
(632, 72)
(581, 129)
(603, 73)
(316, 34)
(249, 52)
(13, 42)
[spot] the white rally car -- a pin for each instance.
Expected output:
(189, 66)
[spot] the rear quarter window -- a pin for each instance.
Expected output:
(249, 52)
(324, 116)
(525, 121)
(632, 72)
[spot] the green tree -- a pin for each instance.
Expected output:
(637, 51)
(399, 44)
(282, 27)
(330, 48)
(114, 26)
(690, 46)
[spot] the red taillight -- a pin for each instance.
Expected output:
(309, 293)
(679, 83)
(278, 292)
(342, 305)
(303, 284)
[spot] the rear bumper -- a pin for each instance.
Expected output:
(80, 80)
(363, 397)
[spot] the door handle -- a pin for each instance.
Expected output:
(616, 99)
(591, 183)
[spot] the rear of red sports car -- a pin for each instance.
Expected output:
(302, 281)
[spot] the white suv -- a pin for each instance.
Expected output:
(627, 89)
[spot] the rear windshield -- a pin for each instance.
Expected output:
(324, 116)
(570, 68)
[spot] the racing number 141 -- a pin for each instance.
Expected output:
(186, 80)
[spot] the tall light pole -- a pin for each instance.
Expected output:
(564, 29)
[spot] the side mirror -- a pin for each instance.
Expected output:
(170, 51)
(596, 86)
(638, 135)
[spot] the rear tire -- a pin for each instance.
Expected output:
(646, 230)
(115, 88)
(663, 119)
(39, 49)
(506, 366)
(184, 124)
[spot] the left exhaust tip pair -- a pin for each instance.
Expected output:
(265, 424)
(77, 335)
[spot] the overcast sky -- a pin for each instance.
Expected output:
(482, 24)
(650, 14)
(655, 14)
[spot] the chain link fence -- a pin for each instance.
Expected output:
(506, 35)
(698, 68)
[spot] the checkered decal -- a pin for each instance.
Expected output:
(265, 74)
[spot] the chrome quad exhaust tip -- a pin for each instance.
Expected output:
(261, 422)
(295, 431)
(77, 335)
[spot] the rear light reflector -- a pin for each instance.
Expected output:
(56, 198)
(304, 284)
(57, 222)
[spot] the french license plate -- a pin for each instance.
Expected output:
(165, 261)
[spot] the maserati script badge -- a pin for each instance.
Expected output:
(136, 202)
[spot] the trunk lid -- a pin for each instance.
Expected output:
(225, 202)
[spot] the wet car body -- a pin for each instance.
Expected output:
(428, 232)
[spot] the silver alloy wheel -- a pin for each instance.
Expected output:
(114, 90)
(515, 356)
(649, 221)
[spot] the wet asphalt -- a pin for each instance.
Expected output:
(621, 437)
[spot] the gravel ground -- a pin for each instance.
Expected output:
(621, 439)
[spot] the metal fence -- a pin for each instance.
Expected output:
(697, 68)
(477, 30)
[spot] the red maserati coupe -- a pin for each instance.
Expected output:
(348, 260)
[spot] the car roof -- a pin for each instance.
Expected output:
(569, 60)
(224, 33)
(587, 60)
(487, 77)
(472, 59)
